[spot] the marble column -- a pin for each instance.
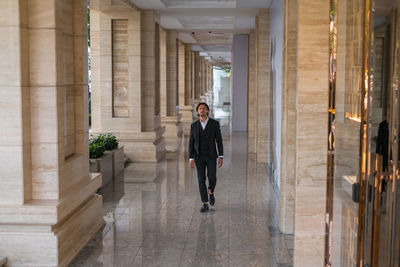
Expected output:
(170, 116)
(289, 126)
(252, 94)
(48, 205)
(197, 81)
(125, 96)
(239, 89)
(264, 108)
(204, 77)
(312, 132)
(211, 84)
(201, 82)
(205, 81)
(184, 82)
(189, 70)
(192, 74)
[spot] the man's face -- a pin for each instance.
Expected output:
(202, 110)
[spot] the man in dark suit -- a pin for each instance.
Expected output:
(205, 135)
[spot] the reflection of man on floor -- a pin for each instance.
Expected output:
(205, 134)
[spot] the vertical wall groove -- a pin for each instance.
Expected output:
(120, 67)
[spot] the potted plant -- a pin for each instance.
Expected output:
(100, 160)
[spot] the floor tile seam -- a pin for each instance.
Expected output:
(186, 238)
(147, 233)
(136, 254)
(230, 217)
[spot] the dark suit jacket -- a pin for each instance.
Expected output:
(213, 132)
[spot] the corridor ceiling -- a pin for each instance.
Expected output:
(209, 25)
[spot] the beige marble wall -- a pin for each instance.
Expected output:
(140, 131)
(252, 93)
(47, 191)
(15, 147)
(120, 70)
(288, 153)
(264, 94)
(312, 132)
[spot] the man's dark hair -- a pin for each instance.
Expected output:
(202, 103)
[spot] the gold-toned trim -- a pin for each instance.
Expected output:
(394, 139)
(365, 134)
(333, 26)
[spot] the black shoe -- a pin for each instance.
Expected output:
(204, 208)
(212, 199)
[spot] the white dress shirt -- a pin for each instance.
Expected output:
(204, 124)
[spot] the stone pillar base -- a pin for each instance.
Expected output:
(143, 146)
(51, 232)
(173, 130)
(187, 118)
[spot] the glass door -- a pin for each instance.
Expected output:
(380, 207)
(363, 192)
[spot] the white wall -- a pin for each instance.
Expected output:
(276, 49)
(240, 62)
(222, 88)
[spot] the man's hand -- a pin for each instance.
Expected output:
(220, 162)
(191, 163)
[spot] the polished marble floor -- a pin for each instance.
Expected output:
(152, 216)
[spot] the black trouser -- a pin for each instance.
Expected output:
(211, 165)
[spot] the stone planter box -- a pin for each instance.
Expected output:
(103, 165)
(118, 161)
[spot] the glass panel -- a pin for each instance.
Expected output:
(349, 30)
(364, 134)
(381, 189)
(394, 134)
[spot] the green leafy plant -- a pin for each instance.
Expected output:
(96, 148)
(109, 140)
(101, 143)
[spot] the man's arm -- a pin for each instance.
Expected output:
(218, 138)
(191, 143)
